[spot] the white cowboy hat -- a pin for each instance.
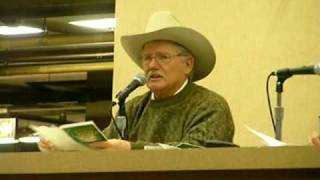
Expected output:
(163, 26)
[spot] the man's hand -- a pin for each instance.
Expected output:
(112, 144)
(315, 138)
(45, 146)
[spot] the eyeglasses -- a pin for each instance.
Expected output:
(162, 58)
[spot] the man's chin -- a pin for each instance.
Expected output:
(155, 87)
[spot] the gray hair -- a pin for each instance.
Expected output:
(185, 52)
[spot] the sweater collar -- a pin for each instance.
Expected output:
(179, 90)
(173, 100)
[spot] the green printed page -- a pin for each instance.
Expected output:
(84, 132)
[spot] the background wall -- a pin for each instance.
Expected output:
(252, 38)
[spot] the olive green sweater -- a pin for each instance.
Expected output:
(194, 115)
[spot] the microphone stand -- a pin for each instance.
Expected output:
(122, 119)
(278, 109)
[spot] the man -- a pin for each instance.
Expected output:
(175, 110)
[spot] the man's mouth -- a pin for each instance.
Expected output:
(154, 77)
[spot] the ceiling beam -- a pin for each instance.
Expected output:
(9, 43)
(57, 68)
(55, 26)
(21, 9)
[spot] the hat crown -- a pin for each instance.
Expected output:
(161, 20)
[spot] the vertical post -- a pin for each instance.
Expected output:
(278, 109)
(278, 116)
(123, 120)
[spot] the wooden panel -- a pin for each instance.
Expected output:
(225, 163)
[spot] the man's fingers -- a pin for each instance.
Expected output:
(46, 146)
(112, 144)
(100, 145)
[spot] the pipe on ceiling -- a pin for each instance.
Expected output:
(9, 43)
(60, 68)
(60, 59)
(83, 48)
(63, 47)
(52, 77)
(52, 8)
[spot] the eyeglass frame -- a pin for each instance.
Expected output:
(162, 58)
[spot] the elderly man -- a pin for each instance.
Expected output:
(175, 110)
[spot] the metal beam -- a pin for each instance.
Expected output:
(64, 47)
(11, 53)
(60, 25)
(60, 68)
(60, 59)
(17, 9)
(9, 43)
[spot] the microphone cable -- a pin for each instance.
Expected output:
(269, 103)
(115, 123)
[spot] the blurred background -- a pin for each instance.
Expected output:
(56, 62)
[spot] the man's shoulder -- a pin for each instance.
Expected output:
(210, 96)
(139, 99)
(205, 91)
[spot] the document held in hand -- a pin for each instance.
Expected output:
(71, 137)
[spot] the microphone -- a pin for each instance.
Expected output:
(314, 69)
(138, 80)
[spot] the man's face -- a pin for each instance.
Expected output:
(165, 67)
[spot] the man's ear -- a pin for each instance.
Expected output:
(189, 62)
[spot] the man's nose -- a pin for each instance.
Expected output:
(154, 62)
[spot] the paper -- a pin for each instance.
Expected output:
(71, 137)
(84, 132)
(167, 146)
(270, 141)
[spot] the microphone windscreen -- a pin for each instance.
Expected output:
(141, 78)
(317, 68)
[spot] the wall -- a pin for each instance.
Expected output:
(251, 38)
